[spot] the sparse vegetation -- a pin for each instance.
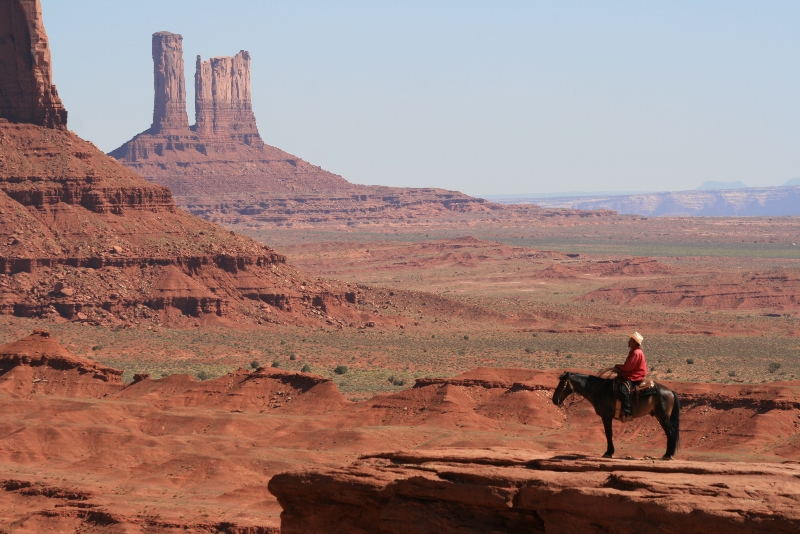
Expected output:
(306, 369)
(340, 369)
(255, 364)
(276, 364)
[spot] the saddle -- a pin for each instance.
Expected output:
(645, 389)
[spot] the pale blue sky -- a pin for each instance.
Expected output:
(486, 97)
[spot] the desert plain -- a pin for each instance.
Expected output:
(290, 352)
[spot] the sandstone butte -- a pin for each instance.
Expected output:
(273, 451)
(221, 170)
(84, 238)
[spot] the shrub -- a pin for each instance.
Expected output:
(276, 363)
(293, 356)
(690, 361)
(306, 369)
(97, 347)
(669, 371)
(466, 336)
(396, 381)
(731, 373)
(202, 375)
(254, 364)
(340, 369)
(529, 350)
(774, 366)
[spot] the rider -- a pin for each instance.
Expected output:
(631, 373)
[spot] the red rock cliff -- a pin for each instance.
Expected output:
(27, 93)
(463, 490)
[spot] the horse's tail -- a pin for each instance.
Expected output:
(675, 420)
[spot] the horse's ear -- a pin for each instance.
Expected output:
(564, 376)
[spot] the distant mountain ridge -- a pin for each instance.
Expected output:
(749, 201)
(716, 186)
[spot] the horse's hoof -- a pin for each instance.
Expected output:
(665, 457)
(607, 455)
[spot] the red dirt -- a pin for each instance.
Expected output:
(165, 452)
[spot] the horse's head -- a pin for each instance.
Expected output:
(563, 390)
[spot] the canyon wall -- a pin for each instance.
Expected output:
(169, 107)
(27, 93)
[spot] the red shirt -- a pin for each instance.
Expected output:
(635, 367)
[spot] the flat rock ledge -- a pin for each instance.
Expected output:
(497, 490)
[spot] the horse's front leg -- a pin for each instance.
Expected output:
(609, 437)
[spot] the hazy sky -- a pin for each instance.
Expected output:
(485, 97)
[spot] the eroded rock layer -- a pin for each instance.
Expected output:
(27, 93)
(457, 491)
(84, 238)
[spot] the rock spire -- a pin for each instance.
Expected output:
(169, 108)
(27, 94)
(222, 99)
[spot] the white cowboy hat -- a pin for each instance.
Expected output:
(637, 337)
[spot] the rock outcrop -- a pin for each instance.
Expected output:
(27, 93)
(38, 364)
(223, 151)
(458, 490)
(223, 106)
(169, 108)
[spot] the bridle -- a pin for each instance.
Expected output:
(568, 381)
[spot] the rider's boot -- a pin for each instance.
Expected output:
(625, 400)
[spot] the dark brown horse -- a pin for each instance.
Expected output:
(663, 404)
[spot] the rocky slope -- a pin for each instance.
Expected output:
(457, 491)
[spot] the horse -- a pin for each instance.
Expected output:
(664, 405)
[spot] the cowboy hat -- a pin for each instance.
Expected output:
(637, 337)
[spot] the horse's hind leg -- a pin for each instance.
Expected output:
(607, 425)
(662, 414)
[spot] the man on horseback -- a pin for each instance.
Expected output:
(631, 373)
